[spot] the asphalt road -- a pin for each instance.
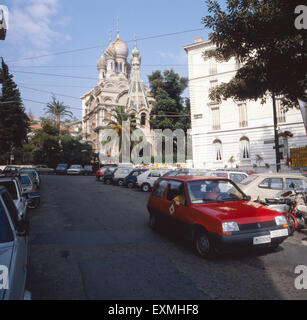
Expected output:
(92, 241)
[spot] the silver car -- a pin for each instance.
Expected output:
(76, 170)
(13, 250)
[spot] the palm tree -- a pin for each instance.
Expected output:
(58, 110)
(118, 117)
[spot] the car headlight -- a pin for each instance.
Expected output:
(230, 226)
(281, 220)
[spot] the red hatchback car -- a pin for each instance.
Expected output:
(215, 214)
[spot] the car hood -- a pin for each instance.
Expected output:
(242, 212)
(5, 260)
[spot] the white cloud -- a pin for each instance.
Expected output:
(35, 27)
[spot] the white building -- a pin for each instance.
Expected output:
(243, 131)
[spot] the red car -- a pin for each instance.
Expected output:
(100, 173)
(215, 214)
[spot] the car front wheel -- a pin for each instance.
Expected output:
(203, 245)
(145, 187)
(120, 183)
(130, 185)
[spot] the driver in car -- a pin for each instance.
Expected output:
(213, 191)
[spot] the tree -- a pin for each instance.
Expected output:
(14, 123)
(58, 110)
(116, 122)
(260, 35)
(168, 111)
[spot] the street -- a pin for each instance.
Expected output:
(92, 241)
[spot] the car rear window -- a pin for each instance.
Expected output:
(25, 180)
(160, 189)
(10, 187)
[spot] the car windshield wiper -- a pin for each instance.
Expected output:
(212, 200)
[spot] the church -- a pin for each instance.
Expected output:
(119, 84)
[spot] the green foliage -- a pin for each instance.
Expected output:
(261, 35)
(168, 111)
(14, 123)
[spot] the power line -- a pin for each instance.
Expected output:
(54, 75)
(99, 46)
(58, 94)
(45, 103)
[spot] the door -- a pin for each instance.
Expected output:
(20, 253)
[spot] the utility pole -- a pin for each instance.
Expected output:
(276, 134)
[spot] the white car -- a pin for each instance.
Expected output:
(13, 250)
(146, 180)
(120, 174)
(235, 176)
(13, 186)
(271, 185)
(76, 170)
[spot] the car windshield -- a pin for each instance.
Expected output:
(75, 167)
(10, 187)
(25, 180)
(62, 166)
(248, 180)
(6, 234)
(205, 191)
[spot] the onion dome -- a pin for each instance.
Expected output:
(101, 63)
(110, 52)
(121, 48)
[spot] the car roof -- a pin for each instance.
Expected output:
(277, 175)
(192, 178)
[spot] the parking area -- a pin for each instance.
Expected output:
(89, 240)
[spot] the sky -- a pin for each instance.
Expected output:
(68, 36)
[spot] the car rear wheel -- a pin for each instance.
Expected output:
(145, 187)
(130, 185)
(203, 245)
(120, 183)
(108, 181)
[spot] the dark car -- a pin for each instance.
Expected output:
(88, 170)
(61, 169)
(108, 175)
(131, 179)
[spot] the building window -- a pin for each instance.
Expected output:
(216, 124)
(242, 115)
(143, 119)
(212, 67)
(244, 148)
(218, 150)
(198, 116)
(281, 114)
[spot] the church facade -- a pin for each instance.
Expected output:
(119, 84)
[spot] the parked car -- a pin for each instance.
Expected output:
(88, 170)
(100, 173)
(271, 185)
(29, 189)
(119, 175)
(34, 175)
(13, 186)
(10, 170)
(146, 180)
(13, 250)
(61, 169)
(108, 175)
(215, 214)
(75, 170)
(235, 176)
(131, 180)
(43, 169)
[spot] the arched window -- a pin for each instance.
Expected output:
(143, 119)
(218, 150)
(244, 148)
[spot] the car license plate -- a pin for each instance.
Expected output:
(263, 239)
(279, 233)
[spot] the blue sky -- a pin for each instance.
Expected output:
(44, 27)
